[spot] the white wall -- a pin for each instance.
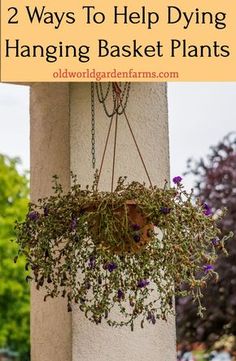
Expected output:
(147, 111)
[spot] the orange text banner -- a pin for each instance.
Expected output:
(78, 40)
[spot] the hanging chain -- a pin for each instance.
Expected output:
(119, 98)
(102, 94)
(122, 97)
(93, 144)
(103, 97)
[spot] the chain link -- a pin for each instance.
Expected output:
(118, 93)
(93, 143)
(105, 95)
(116, 107)
(100, 94)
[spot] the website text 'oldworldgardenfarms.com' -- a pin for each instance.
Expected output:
(101, 75)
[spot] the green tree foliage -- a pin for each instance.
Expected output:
(14, 291)
(215, 183)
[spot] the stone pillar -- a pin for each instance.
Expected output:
(147, 110)
(50, 154)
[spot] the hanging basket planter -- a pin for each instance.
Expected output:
(101, 251)
(129, 232)
(125, 254)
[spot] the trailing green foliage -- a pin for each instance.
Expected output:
(14, 291)
(123, 250)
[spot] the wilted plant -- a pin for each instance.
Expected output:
(132, 249)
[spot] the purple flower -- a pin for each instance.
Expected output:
(92, 262)
(136, 238)
(177, 179)
(136, 227)
(165, 210)
(33, 216)
(206, 209)
(120, 294)
(111, 266)
(143, 283)
(73, 224)
(207, 268)
(215, 241)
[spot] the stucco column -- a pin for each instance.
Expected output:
(147, 110)
(50, 154)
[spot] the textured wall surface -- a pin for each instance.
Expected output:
(49, 152)
(147, 111)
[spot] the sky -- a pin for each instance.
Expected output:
(14, 122)
(200, 114)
